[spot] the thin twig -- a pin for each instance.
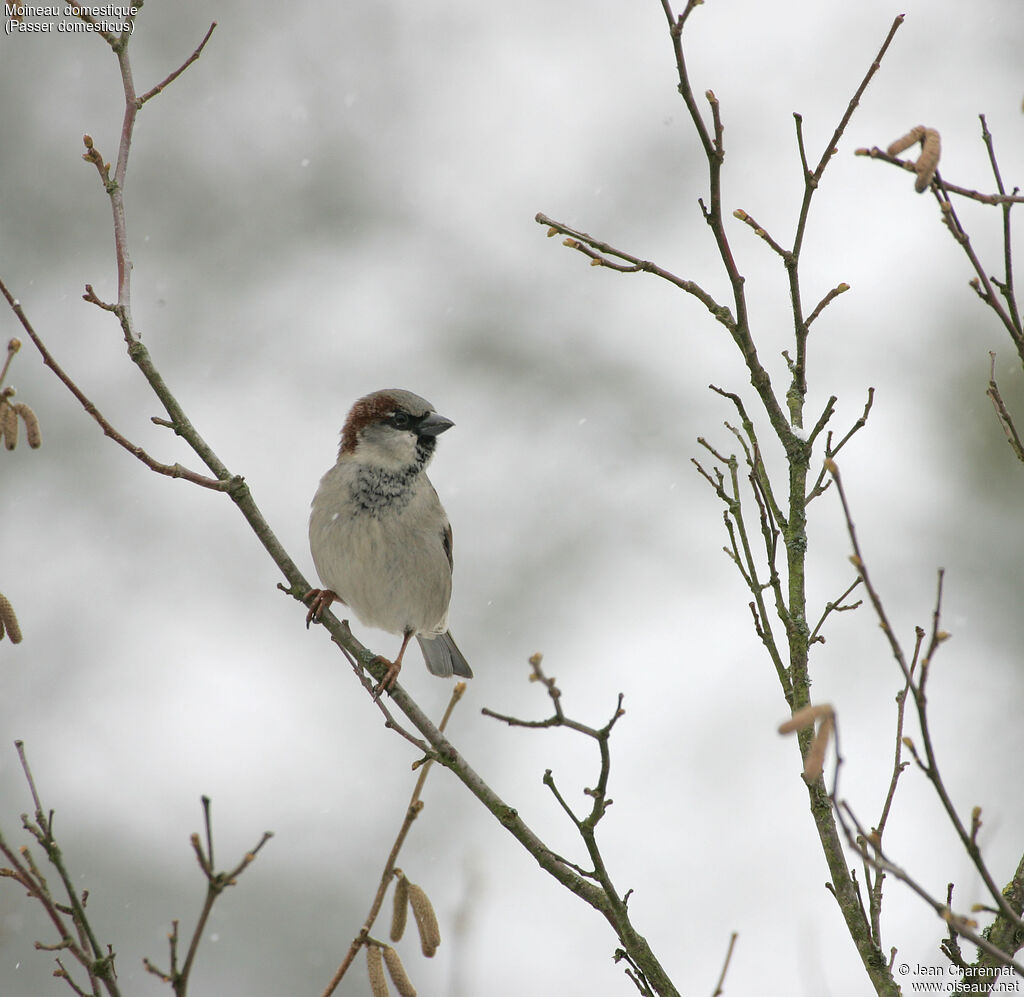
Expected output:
(974, 195)
(929, 764)
(898, 767)
(1002, 414)
(411, 813)
(163, 84)
(858, 837)
(858, 563)
(170, 470)
(84, 14)
(762, 233)
(216, 884)
(821, 483)
(743, 557)
(720, 985)
(1007, 287)
(812, 180)
(599, 251)
(96, 961)
(825, 301)
(615, 904)
(837, 606)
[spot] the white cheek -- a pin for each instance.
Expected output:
(334, 516)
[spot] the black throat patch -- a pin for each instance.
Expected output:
(379, 490)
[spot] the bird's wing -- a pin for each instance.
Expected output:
(446, 542)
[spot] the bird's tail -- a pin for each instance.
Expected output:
(443, 656)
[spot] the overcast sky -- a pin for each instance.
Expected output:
(339, 198)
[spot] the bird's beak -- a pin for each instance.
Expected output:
(433, 425)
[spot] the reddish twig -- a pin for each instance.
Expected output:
(167, 81)
(170, 470)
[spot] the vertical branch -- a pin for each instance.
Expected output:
(411, 813)
(116, 191)
(811, 181)
(1006, 204)
(114, 185)
(714, 150)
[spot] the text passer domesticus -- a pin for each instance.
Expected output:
(379, 536)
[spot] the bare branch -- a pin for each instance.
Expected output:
(858, 839)
(412, 812)
(827, 300)
(163, 84)
(929, 763)
(761, 233)
(170, 470)
(1002, 414)
(974, 195)
(599, 251)
(216, 884)
(720, 985)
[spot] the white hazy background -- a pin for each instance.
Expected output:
(338, 198)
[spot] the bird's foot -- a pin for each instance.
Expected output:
(390, 676)
(318, 600)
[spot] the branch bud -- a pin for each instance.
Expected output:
(975, 822)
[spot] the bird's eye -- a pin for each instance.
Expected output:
(401, 420)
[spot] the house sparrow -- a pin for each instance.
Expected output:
(380, 539)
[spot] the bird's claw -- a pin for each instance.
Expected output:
(319, 600)
(387, 683)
